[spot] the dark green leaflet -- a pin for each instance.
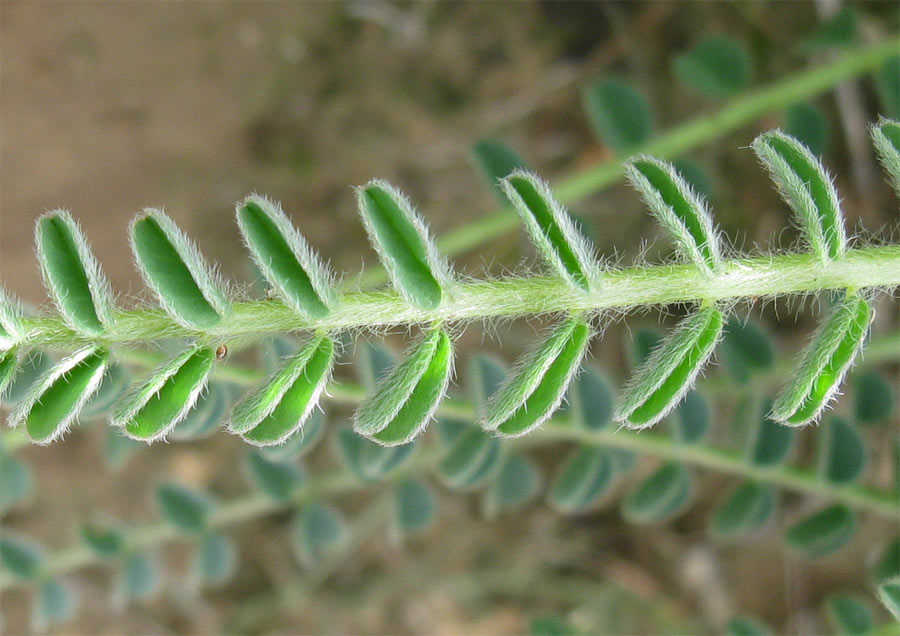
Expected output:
(173, 269)
(402, 242)
(842, 455)
(747, 508)
(495, 160)
(185, 508)
(583, 478)
(591, 399)
(517, 483)
(471, 461)
(849, 615)
(660, 496)
(62, 394)
(283, 256)
(277, 479)
(161, 403)
(717, 66)
(105, 540)
(551, 229)
(771, 441)
(619, 115)
(415, 507)
(822, 532)
(71, 273)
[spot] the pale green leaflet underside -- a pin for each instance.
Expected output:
(284, 257)
(404, 401)
(670, 370)
(554, 234)
(174, 269)
(72, 275)
(679, 210)
(532, 395)
(59, 395)
(886, 139)
(824, 362)
(403, 242)
(279, 408)
(154, 406)
(808, 189)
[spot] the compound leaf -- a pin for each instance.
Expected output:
(669, 372)
(585, 475)
(745, 509)
(717, 66)
(842, 453)
(824, 362)
(185, 508)
(681, 211)
(72, 274)
(175, 270)
(807, 188)
(822, 532)
(405, 400)
(275, 411)
(285, 258)
(659, 497)
(534, 393)
(619, 115)
(58, 396)
(157, 404)
(554, 234)
(404, 245)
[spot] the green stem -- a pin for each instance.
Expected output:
(560, 430)
(622, 289)
(691, 134)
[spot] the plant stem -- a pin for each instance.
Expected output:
(621, 289)
(560, 430)
(703, 128)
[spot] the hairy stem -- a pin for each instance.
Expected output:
(622, 289)
(689, 135)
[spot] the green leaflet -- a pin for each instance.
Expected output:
(560, 244)
(678, 209)
(747, 626)
(10, 325)
(16, 481)
(319, 531)
(275, 411)
(402, 405)
(692, 418)
(374, 362)
(747, 349)
(807, 124)
(471, 461)
(54, 603)
(873, 397)
(886, 139)
(8, 361)
(139, 579)
(824, 362)
(415, 508)
(404, 244)
(619, 115)
(31, 368)
(659, 497)
(113, 385)
(887, 84)
(822, 532)
(175, 270)
(72, 274)
(591, 400)
(157, 404)
(517, 483)
(838, 30)
(370, 462)
(670, 370)
(205, 416)
(214, 561)
(21, 556)
(849, 615)
(771, 441)
(105, 540)
(717, 66)
(888, 564)
(842, 452)
(284, 257)
(278, 480)
(534, 393)
(889, 595)
(495, 161)
(744, 510)
(185, 508)
(57, 397)
(696, 175)
(585, 475)
(550, 625)
(118, 447)
(487, 374)
(300, 443)
(806, 186)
